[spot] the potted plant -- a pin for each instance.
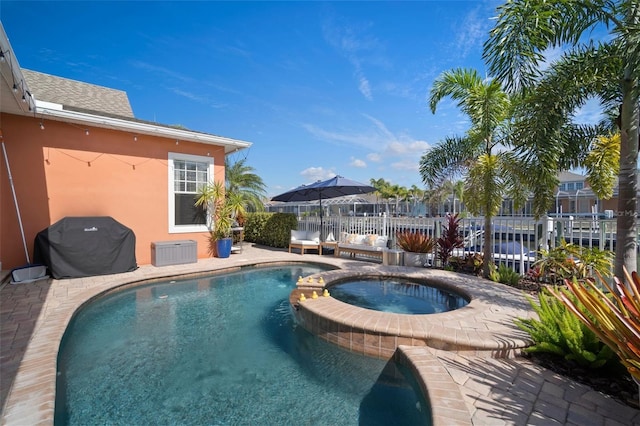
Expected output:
(222, 208)
(416, 245)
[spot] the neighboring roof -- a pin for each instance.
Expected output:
(76, 94)
(570, 177)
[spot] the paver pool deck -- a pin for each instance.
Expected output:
(464, 388)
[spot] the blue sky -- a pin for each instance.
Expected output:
(318, 88)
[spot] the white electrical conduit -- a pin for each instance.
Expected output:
(15, 200)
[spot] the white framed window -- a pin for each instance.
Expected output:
(187, 173)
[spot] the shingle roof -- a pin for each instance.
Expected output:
(570, 177)
(78, 95)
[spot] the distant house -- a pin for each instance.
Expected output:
(76, 149)
(574, 196)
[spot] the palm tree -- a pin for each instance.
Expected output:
(608, 71)
(243, 182)
(491, 175)
(416, 194)
(458, 191)
(384, 190)
(435, 197)
(398, 193)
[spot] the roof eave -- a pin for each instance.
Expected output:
(50, 112)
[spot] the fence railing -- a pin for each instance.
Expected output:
(515, 240)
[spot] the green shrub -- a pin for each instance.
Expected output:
(469, 263)
(558, 331)
(505, 275)
(270, 229)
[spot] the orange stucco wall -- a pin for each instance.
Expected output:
(62, 171)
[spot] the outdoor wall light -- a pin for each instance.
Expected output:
(86, 132)
(15, 88)
(2, 58)
(41, 126)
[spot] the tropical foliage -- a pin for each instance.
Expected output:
(505, 275)
(558, 331)
(492, 174)
(222, 208)
(470, 262)
(415, 242)
(613, 317)
(571, 261)
(545, 135)
(240, 179)
(450, 239)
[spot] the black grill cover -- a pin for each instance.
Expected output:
(77, 247)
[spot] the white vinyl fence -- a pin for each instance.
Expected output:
(516, 240)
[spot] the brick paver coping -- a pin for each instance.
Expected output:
(484, 327)
(462, 389)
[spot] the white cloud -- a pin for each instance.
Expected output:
(365, 88)
(313, 174)
(472, 31)
(196, 98)
(406, 165)
(398, 150)
(551, 55)
(374, 157)
(589, 113)
(356, 162)
(164, 72)
(353, 42)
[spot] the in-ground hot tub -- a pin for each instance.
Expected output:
(397, 295)
(480, 328)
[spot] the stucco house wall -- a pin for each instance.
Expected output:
(62, 171)
(76, 149)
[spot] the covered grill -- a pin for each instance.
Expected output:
(77, 247)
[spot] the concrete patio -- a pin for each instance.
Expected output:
(463, 389)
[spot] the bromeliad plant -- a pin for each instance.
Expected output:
(613, 317)
(415, 242)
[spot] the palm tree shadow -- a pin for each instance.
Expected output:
(394, 399)
(390, 395)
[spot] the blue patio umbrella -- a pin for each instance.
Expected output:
(337, 186)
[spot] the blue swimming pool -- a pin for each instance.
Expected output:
(397, 296)
(220, 350)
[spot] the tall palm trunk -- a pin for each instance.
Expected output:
(627, 231)
(487, 249)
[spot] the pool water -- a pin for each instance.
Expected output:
(395, 296)
(220, 350)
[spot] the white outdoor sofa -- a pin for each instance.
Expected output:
(372, 245)
(304, 240)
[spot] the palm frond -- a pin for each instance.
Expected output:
(450, 157)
